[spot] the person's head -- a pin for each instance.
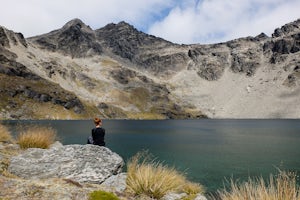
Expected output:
(97, 121)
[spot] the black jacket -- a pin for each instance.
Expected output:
(98, 136)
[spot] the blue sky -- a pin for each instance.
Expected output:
(179, 21)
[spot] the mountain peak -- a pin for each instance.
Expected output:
(123, 23)
(78, 24)
(75, 38)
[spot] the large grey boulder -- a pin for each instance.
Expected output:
(81, 163)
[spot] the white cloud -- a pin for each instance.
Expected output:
(181, 21)
(33, 17)
(211, 21)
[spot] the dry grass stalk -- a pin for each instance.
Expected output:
(37, 137)
(151, 178)
(280, 187)
(5, 135)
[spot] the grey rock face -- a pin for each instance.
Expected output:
(146, 51)
(75, 39)
(117, 183)
(5, 35)
(126, 41)
(287, 29)
(13, 68)
(174, 196)
(3, 38)
(81, 163)
(209, 62)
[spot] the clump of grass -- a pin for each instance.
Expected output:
(280, 187)
(5, 135)
(151, 178)
(37, 137)
(102, 195)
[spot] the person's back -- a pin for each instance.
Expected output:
(98, 134)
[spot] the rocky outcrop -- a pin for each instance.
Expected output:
(74, 39)
(13, 68)
(126, 41)
(3, 38)
(209, 62)
(80, 163)
(146, 51)
(287, 29)
(6, 36)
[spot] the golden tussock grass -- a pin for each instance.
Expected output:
(5, 135)
(280, 187)
(153, 179)
(36, 137)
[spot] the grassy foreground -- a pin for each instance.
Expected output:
(5, 135)
(36, 137)
(280, 187)
(30, 137)
(146, 177)
(153, 179)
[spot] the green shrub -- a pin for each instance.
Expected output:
(102, 195)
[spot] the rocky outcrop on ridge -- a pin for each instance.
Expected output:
(146, 51)
(75, 39)
(120, 72)
(80, 163)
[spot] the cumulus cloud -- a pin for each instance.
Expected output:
(210, 21)
(33, 17)
(180, 21)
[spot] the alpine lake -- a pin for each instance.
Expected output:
(208, 151)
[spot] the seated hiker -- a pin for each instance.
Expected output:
(98, 133)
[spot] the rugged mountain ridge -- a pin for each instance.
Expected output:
(119, 72)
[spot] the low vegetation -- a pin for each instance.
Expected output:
(151, 178)
(36, 137)
(5, 135)
(280, 187)
(102, 195)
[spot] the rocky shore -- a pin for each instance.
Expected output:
(63, 172)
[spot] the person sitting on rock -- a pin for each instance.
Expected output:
(98, 133)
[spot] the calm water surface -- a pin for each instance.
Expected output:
(207, 150)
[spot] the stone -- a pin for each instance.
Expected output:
(116, 183)
(45, 98)
(80, 163)
(175, 196)
(200, 197)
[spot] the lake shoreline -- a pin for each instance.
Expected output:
(207, 150)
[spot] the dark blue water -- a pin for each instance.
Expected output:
(208, 151)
